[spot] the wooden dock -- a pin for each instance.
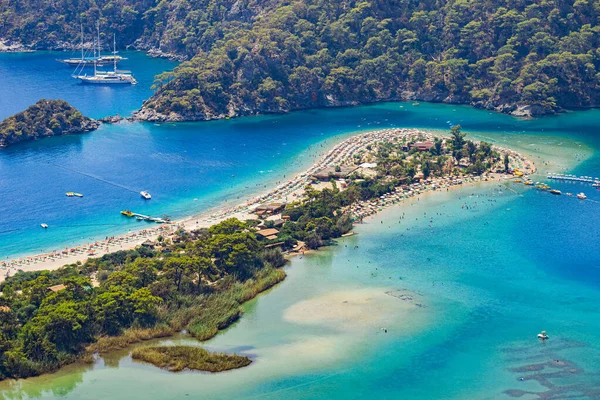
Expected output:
(573, 178)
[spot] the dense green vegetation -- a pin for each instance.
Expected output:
(275, 56)
(456, 156)
(56, 24)
(196, 284)
(178, 358)
(44, 118)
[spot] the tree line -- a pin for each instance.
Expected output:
(251, 57)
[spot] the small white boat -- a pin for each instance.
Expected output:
(543, 336)
(581, 196)
(145, 195)
(45, 226)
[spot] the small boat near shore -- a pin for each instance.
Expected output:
(146, 195)
(127, 213)
(555, 191)
(581, 196)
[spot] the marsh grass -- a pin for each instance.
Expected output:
(178, 358)
(129, 337)
(219, 310)
(202, 318)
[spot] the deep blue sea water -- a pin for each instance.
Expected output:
(28, 77)
(490, 278)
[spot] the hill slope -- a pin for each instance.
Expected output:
(523, 57)
(44, 118)
(250, 57)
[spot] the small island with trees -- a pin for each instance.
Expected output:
(44, 119)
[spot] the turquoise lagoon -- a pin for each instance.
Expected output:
(472, 275)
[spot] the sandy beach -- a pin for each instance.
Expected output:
(341, 154)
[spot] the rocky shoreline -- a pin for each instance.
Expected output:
(7, 46)
(517, 110)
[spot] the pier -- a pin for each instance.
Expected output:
(148, 218)
(573, 178)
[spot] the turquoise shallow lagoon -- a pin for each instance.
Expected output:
(482, 280)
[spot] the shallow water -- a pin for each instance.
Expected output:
(487, 278)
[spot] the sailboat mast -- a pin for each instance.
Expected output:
(98, 29)
(82, 56)
(115, 51)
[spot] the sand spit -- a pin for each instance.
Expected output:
(341, 154)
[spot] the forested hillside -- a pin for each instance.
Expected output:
(530, 57)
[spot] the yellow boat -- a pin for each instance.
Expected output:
(529, 183)
(517, 181)
(127, 213)
(516, 172)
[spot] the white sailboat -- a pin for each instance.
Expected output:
(78, 61)
(100, 60)
(114, 77)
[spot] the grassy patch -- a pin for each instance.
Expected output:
(130, 336)
(178, 358)
(220, 310)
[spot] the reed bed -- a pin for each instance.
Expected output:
(130, 336)
(179, 358)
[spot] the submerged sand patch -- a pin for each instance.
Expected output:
(331, 325)
(350, 309)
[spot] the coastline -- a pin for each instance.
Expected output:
(338, 154)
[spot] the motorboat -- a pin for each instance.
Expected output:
(145, 195)
(543, 336)
(581, 196)
(127, 213)
(45, 226)
(555, 191)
